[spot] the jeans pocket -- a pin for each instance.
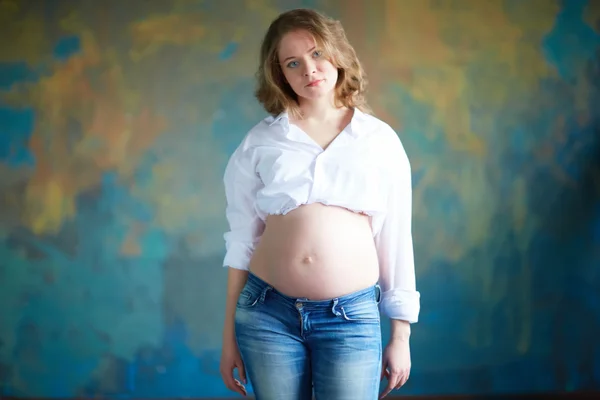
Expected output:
(367, 311)
(247, 298)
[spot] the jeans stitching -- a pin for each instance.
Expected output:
(356, 319)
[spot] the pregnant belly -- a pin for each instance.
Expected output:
(318, 252)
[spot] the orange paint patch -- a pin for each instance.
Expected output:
(429, 48)
(84, 127)
(131, 246)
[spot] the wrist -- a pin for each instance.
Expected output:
(400, 330)
(228, 340)
(228, 332)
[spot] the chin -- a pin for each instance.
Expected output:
(317, 93)
(316, 96)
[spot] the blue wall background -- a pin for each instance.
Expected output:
(116, 122)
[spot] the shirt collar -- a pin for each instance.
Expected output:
(283, 116)
(354, 128)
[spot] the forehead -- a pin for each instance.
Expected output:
(296, 43)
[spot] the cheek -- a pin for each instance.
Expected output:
(290, 76)
(329, 69)
(285, 74)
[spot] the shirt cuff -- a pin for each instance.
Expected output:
(401, 304)
(238, 255)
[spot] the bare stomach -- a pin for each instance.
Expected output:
(318, 252)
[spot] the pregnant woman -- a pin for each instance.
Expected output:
(319, 240)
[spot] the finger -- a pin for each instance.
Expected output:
(405, 377)
(233, 384)
(387, 391)
(401, 381)
(242, 371)
(384, 372)
(241, 389)
(236, 386)
(392, 382)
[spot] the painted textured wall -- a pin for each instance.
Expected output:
(117, 119)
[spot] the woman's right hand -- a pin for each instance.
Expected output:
(230, 360)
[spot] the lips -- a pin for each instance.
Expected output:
(315, 83)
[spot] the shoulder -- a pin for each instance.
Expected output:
(260, 133)
(244, 155)
(383, 134)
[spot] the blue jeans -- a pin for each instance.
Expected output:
(291, 346)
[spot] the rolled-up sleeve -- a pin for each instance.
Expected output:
(245, 227)
(400, 299)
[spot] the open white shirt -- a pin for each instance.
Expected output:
(277, 167)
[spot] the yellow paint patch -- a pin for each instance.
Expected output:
(432, 59)
(49, 207)
(173, 210)
(88, 120)
(153, 33)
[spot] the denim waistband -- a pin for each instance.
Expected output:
(257, 285)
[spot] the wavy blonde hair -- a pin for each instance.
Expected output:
(276, 95)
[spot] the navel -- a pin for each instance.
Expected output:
(308, 260)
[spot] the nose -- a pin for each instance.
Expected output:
(310, 68)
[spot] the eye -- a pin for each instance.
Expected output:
(292, 64)
(317, 53)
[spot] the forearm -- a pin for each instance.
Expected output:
(236, 280)
(400, 330)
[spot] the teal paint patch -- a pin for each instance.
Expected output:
(15, 72)
(229, 51)
(16, 127)
(571, 43)
(66, 47)
(88, 320)
(97, 302)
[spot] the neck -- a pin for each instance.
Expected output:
(321, 109)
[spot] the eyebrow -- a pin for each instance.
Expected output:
(289, 58)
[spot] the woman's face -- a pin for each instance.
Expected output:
(308, 72)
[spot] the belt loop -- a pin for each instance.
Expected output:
(378, 295)
(264, 293)
(333, 310)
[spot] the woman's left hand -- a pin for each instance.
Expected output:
(396, 364)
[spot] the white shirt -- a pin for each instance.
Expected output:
(277, 167)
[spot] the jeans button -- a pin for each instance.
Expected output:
(298, 305)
